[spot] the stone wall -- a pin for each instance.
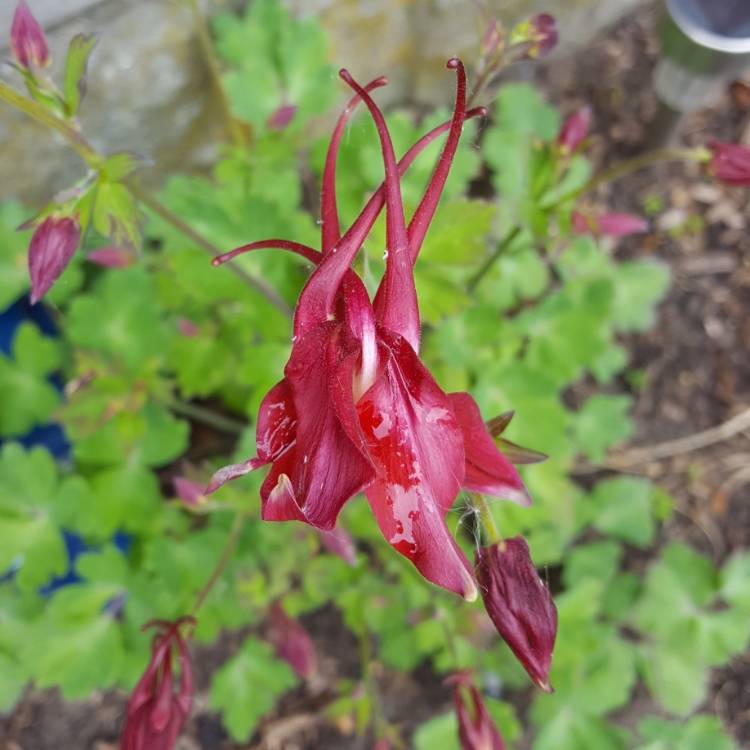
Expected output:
(149, 90)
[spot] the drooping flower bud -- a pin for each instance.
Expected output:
(538, 32)
(574, 130)
(158, 709)
(27, 40)
(111, 257)
(492, 38)
(188, 492)
(730, 163)
(187, 328)
(476, 730)
(292, 643)
(282, 116)
(609, 224)
(338, 542)
(52, 246)
(519, 604)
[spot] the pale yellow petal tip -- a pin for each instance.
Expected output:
(471, 592)
(545, 686)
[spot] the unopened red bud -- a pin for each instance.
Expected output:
(52, 246)
(292, 643)
(476, 730)
(609, 224)
(543, 35)
(188, 492)
(338, 542)
(730, 163)
(519, 604)
(282, 116)
(111, 257)
(27, 40)
(574, 130)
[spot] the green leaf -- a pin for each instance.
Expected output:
(600, 424)
(116, 214)
(458, 232)
(247, 686)
(735, 581)
(120, 318)
(622, 507)
(28, 398)
(14, 272)
(700, 732)
(440, 731)
(74, 77)
(598, 560)
(639, 285)
(572, 731)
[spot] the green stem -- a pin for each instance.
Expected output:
(234, 128)
(226, 556)
(628, 166)
(95, 160)
(473, 281)
(486, 519)
(37, 112)
(259, 285)
(206, 416)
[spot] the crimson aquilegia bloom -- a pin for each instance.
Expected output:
(476, 730)
(27, 40)
(357, 410)
(158, 708)
(519, 604)
(730, 163)
(52, 246)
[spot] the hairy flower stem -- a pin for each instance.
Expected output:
(95, 160)
(226, 556)
(234, 128)
(486, 519)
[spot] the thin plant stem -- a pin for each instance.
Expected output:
(474, 280)
(628, 166)
(226, 555)
(234, 128)
(206, 416)
(486, 519)
(95, 160)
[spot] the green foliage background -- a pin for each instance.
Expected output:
(548, 313)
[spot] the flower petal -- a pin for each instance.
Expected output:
(487, 470)
(416, 447)
(52, 246)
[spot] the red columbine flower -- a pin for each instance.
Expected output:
(111, 257)
(292, 643)
(158, 709)
(476, 730)
(357, 410)
(730, 163)
(609, 224)
(52, 246)
(519, 604)
(574, 130)
(27, 40)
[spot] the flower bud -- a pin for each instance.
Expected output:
(539, 33)
(730, 163)
(157, 709)
(519, 604)
(292, 643)
(492, 38)
(52, 246)
(608, 225)
(338, 542)
(189, 493)
(574, 130)
(27, 40)
(476, 730)
(111, 257)
(282, 116)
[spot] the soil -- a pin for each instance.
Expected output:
(693, 373)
